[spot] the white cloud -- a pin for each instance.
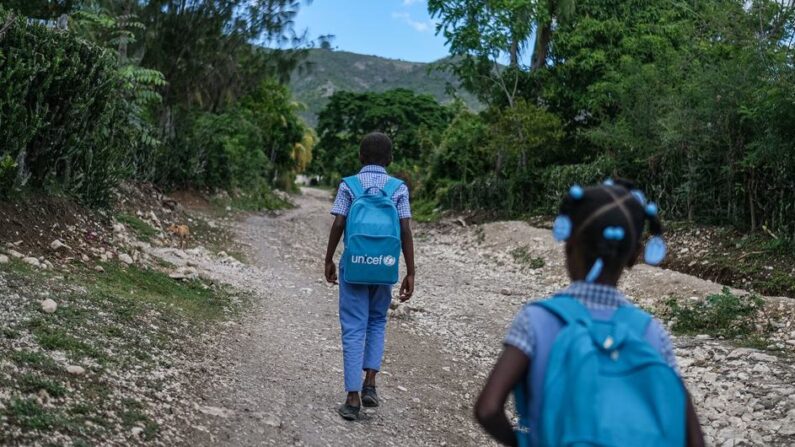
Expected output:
(416, 24)
(411, 2)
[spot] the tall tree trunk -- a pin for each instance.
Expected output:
(543, 37)
(514, 52)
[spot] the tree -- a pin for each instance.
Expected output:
(403, 115)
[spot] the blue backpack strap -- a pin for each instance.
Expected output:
(391, 186)
(635, 319)
(355, 185)
(568, 309)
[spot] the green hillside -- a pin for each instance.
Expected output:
(330, 71)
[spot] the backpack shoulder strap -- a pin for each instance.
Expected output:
(634, 318)
(391, 186)
(355, 185)
(568, 309)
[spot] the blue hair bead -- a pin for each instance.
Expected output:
(640, 196)
(596, 270)
(576, 192)
(613, 233)
(609, 182)
(561, 228)
(651, 209)
(655, 251)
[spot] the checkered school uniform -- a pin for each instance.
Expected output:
(370, 176)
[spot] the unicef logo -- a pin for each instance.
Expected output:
(389, 261)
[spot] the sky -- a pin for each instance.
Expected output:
(397, 29)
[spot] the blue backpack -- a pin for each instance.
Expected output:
(605, 385)
(372, 235)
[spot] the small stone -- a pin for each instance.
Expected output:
(505, 291)
(4, 259)
(31, 261)
(75, 370)
(57, 245)
(49, 306)
(99, 269)
(15, 254)
(762, 357)
(118, 228)
(136, 431)
(85, 258)
(401, 388)
(125, 258)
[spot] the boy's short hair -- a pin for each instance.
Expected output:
(376, 149)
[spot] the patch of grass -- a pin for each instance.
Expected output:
(141, 228)
(722, 315)
(29, 415)
(424, 210)
(30, 383)
(35, 360)
(522, 256)
(259, 198)
(193, 298)
(53, 339)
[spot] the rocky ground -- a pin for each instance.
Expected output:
(273, 374)
(280, 378)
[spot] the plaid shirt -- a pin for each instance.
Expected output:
(594, 297)
(372, 175)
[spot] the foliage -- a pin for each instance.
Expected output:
(412, 122)
(62, 116)
(243, 147)
(139, 84)
(694, 100)
(723, 315)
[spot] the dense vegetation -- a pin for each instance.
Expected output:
(167, 91)
(694, 100)
(330, 71)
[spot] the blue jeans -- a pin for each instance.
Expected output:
(363, 312)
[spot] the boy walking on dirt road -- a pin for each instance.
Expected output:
(372, 210)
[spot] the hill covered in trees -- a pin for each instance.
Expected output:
(331, 71)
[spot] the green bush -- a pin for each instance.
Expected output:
(61, 114)
(723, 315)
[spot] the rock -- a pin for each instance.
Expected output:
(184, 273)
(762, 357)
(136, 431)
(125, 258)
(85, 258)
(15, 254)
(32, 261)
(4, 259)
(49, 306)
(75, 370)
(99, 269)
(401, 388)
(118, 228)
(217, 411)
(505, 291)
(57, 245)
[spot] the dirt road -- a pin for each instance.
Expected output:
(276, 377)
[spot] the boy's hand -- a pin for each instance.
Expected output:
(331, 272)
(407, 288)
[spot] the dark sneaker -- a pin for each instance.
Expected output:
(349, 412)
(369, 396)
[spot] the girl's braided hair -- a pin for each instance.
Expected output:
(608, 221)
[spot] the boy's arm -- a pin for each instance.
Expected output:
(337, 228)
(407, 240)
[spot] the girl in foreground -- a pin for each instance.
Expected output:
(586, 366)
